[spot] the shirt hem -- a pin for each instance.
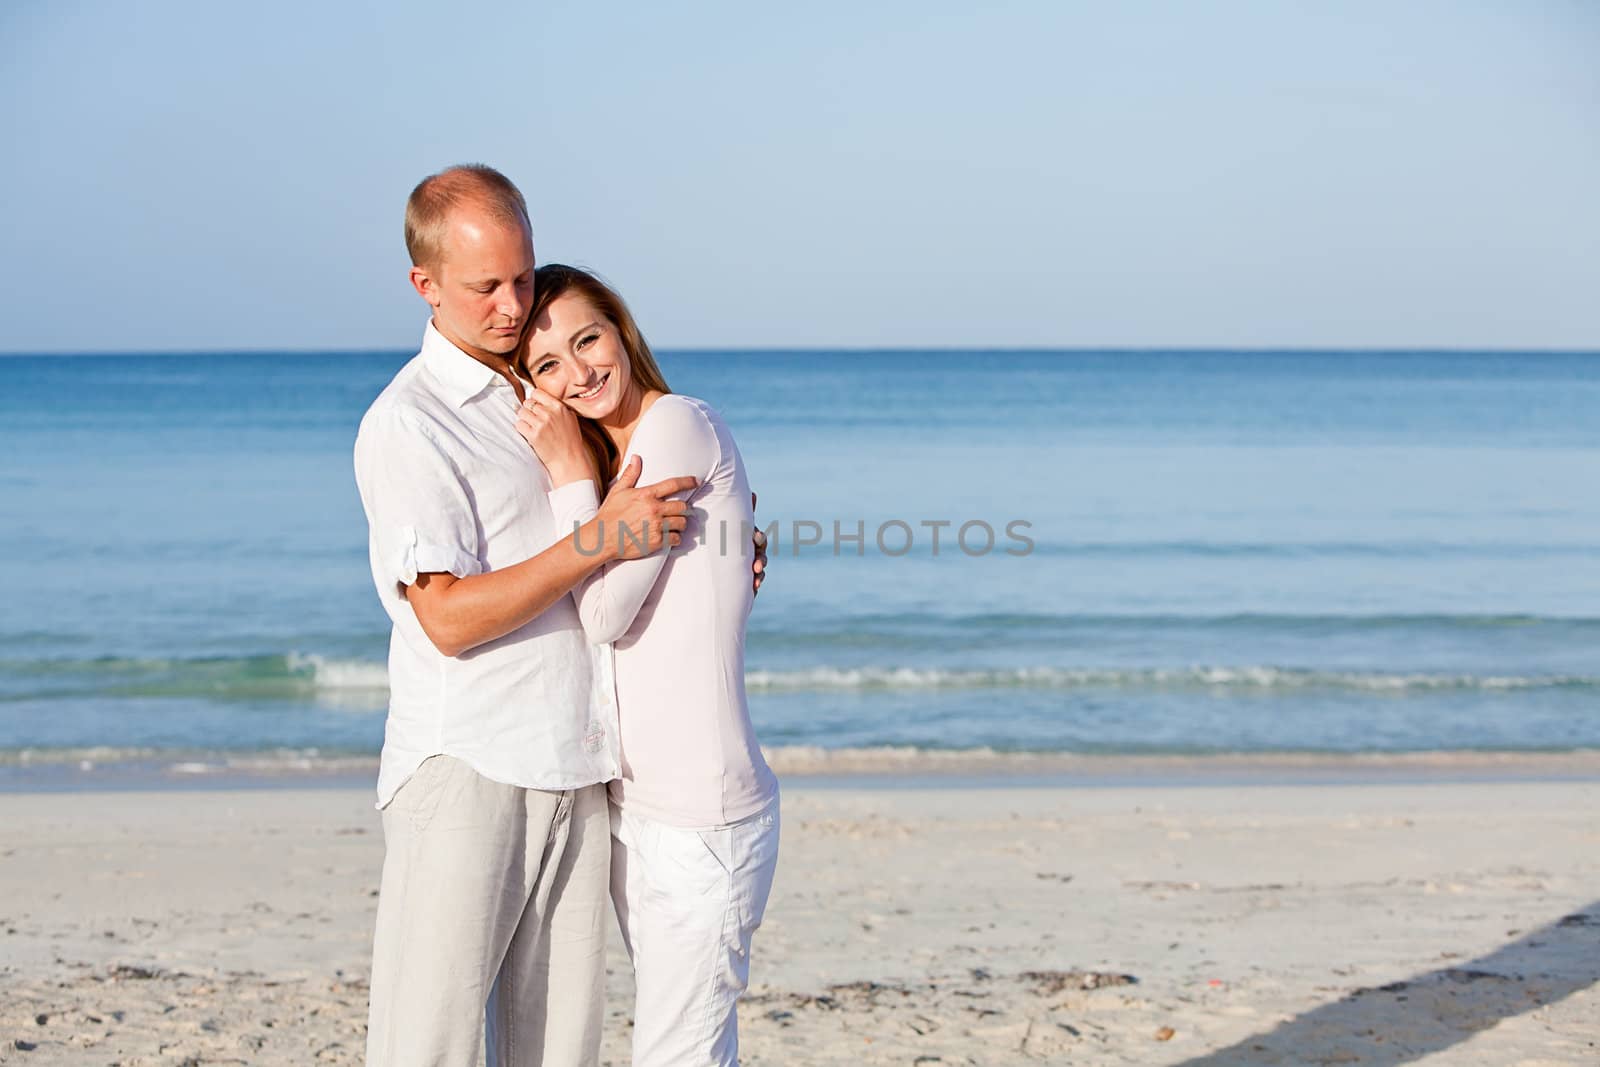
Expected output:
(677, 821)
(541, 784)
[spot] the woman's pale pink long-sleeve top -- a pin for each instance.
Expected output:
(677, 623)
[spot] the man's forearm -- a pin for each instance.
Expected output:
(459, 614)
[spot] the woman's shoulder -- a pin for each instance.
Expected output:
(684, 403)
(684, 414)
(682, 424)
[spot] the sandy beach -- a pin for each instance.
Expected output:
(1372, 923)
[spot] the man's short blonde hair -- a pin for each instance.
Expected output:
(436, 196)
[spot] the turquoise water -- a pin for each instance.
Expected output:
(1266, 551)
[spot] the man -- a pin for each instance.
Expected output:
(502, 721)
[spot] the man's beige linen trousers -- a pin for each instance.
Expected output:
(491, 923)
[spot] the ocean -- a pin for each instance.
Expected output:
(1141, 552)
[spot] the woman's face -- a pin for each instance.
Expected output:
(576, 355)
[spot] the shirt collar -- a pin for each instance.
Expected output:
(462, 376)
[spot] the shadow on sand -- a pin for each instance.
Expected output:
(1404, 1021)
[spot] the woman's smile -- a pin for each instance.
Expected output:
(594, 391)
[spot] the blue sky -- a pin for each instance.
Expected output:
(217, 176)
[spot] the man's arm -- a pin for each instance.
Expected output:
(758, 539)
(459, 614)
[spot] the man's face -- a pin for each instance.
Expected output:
(482, 286)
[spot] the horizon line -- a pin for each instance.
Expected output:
(1204, 349)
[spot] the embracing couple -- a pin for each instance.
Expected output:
(567, 716)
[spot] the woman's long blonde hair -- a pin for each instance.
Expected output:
(556, 279)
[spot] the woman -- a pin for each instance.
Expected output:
(694, 817)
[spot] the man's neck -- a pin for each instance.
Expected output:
(501, 365)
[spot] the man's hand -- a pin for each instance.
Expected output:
(551, 430)
(638, 521)
(760, 541)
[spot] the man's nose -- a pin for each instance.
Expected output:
(511, 305)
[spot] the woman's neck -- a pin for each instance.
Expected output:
(620, 424)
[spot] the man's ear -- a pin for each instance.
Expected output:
(425, 285)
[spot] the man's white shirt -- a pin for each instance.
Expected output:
(449, 486)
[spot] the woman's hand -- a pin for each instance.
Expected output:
(551, 430)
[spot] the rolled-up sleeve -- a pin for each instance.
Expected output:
(419, 513)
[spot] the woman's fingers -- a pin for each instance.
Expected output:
(533, 413)
(541, 401)
(544, 433)
(530, 428)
